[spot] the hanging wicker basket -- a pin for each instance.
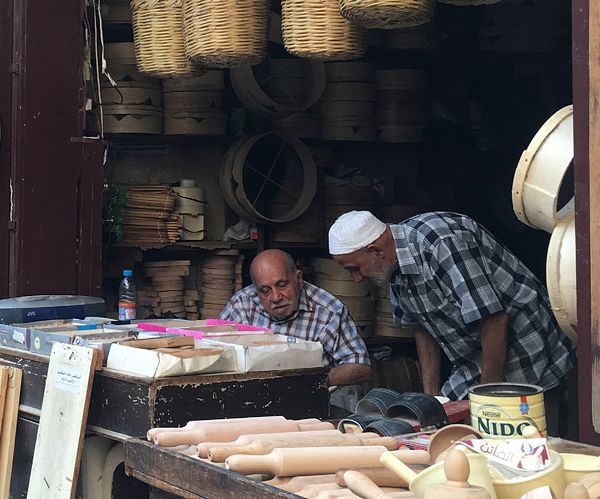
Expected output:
(314, 29)
(158, 38)
(387, 14)
(226, 33)
(462, 3)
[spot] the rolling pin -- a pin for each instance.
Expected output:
(297, 483)
(382, 477)
(408, 456)
(203, 448)
(591, 481)
(576, 491)
(196, 424)
(313, 490)
(363, 486)
(260, 446)
(306, 460)
(225, 432)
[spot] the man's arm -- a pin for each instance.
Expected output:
(429, 361)
(493, 330)
(350, 374)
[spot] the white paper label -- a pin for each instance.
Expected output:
(68, 378)
(19, 337)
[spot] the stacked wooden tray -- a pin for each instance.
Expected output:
(194, 105)
(219, 278)
(149, 217)
(168, 282)
(347, 106)
(133, 104)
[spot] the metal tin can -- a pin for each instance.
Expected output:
(502, 410)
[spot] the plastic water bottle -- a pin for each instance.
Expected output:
(127, 296)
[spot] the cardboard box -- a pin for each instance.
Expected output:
(13, 336)
(265, 352)
(159, 357)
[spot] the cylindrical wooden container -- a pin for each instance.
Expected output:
(226, 33)
(314, 29)
(132, 119)
(158, 38)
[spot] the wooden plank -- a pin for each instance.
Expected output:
(4, 375)
(594, 202)
(62, 422)
(173, 471)
(9, 428)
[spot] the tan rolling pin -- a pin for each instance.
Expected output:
(297, 483)
(576, 491)
(260, 446)
(382, 477)
(307, 460)
(363, 486)
(225, 432)
(313, 490)
(591, 481)
(152, 432)
(408, 456)
(203, 448)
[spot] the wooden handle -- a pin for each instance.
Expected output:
(381, 477)
(152, 432)
(391, 462)
(362, 486)
(389, 443)
(315, 426)
(218, 454)
(576, 491)
(412, 456)
(203, 448)
(307, 460)
(222, 432)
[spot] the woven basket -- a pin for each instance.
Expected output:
(314, 29)
(158, 38)
(387, 14)
(226, 33)
(469, 2)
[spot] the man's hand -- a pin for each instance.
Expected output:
(429, 361)
(349, 374)
(493, 330)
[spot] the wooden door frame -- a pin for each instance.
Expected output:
(586, 103)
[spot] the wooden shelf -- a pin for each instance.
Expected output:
(189, 245)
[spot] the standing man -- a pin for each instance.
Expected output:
(279, 299)
(465, 292)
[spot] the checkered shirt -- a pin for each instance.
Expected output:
(320, 317)
(451, 273)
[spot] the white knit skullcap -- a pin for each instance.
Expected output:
(353, 231)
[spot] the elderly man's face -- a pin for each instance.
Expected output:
(278, 288)
(363, 264)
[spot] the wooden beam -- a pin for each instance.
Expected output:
(594, 202)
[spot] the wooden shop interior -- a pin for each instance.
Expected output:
(179, 140)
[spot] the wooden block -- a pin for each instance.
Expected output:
(167, 263)
(57, 454)
(9, 427)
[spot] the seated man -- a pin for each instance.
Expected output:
(280, 300)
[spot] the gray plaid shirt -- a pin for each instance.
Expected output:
(451, 273)
(320, 317)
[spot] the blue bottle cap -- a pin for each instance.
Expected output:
(128, 273)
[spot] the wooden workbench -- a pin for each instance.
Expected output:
(124, 406)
